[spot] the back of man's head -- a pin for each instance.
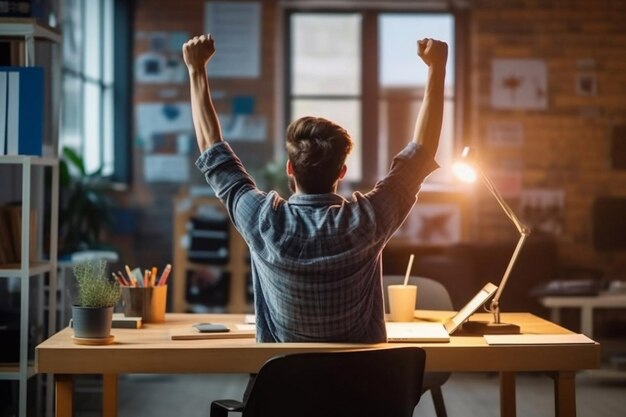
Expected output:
(317, 149)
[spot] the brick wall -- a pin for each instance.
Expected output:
(567, 145)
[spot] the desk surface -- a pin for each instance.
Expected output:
(150, 350)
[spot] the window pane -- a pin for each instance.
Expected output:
(399, 63)
(92, 123)
(71, 112)
(93, 39)
(346, 113)
(72, 34)
(402, 78)
(326, 54)
(107, 132)
(107, 42)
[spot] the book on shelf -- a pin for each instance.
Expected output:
(7, 255)
(11, 234)
(21, 110)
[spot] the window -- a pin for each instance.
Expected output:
(361, 69)
(89, 123)
(326, 73)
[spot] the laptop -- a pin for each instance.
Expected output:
(438, 332)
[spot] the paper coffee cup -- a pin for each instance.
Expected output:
(402, 302)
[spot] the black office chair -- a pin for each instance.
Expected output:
(431, 295)
(364, 383)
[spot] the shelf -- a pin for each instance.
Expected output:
(11, 371)
(34, 268)
(23, 159)
(24, 36)
(236, 264)
(26, 27)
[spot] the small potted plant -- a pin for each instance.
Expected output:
(92, 314)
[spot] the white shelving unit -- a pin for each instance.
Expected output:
(27, 270)
(27, 32)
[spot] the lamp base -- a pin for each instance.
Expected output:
(489, 327)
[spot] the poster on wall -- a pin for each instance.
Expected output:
(242, 124)
(519, 84)
(236, 29)
(162, 62)
(543, 209)
(432, 224)
(507, 180)
(165, 131)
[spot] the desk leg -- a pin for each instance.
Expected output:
(507, 394)
(64, 389)
(109, 395)
(555, 314)
(564, 393)
(586, 320)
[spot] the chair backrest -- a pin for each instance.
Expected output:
(431, 294)
(364, 383)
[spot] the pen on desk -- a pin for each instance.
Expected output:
(165, 274)
(146, 278)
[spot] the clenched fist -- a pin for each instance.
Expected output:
(198, 50)
(433, 52)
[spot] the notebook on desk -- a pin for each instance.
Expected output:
(438, 332)
(236, 331)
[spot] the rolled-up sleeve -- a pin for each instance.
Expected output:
(395, 194)
(225, 173)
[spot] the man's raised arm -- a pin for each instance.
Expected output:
(428, 124)
(196, 53)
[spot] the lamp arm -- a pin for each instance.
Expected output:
(521, 228)
(524, 232)
(495, 302)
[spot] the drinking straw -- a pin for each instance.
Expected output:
(408, 270)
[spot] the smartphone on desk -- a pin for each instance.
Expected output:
(211, 328)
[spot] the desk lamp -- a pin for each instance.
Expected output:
(467, 170)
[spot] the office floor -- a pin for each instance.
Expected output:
(465, 395)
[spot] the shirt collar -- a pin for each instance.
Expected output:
(316, 199)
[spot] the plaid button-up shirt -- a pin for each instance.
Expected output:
(316, 258)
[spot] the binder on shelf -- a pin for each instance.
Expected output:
(24, 8)
(3, 113)
(22, 113)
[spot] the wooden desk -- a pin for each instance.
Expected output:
(149, 350)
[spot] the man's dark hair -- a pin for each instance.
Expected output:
(317, 149)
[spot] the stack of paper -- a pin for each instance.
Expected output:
(537, 339)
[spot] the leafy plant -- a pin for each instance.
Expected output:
(94, 288)
(86, 210)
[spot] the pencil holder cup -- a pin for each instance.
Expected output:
(145, 302)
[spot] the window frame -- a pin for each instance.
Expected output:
(370, 97)
(114, 88)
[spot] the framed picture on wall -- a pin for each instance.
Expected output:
(586, 84)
